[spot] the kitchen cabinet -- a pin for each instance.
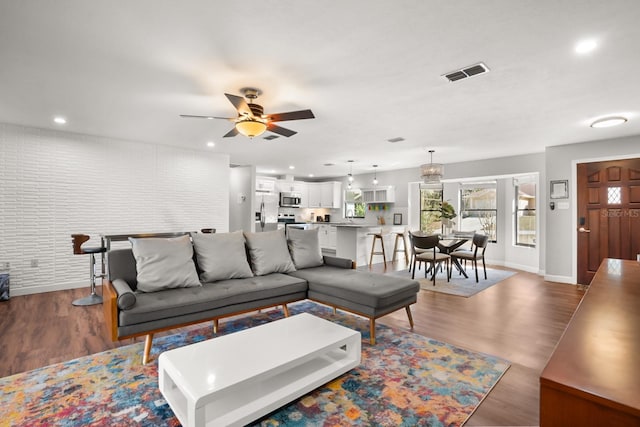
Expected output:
(265, 184)
(324, 194)
(327, 236)
(379, 195)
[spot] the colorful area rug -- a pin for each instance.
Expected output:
(459, 285)
(404, 380)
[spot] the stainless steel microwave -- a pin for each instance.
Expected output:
(290, 200)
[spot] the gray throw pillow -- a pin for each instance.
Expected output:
(268, 252)
(164, 263)
(221, 256)
(304, 246)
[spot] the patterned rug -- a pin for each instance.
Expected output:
(458, 285)
(404, 380)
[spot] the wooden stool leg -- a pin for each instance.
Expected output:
(373, 248)
(395, 249)
(384, 256)
(404, 245)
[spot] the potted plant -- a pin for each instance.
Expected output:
(448, 214)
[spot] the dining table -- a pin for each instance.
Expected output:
(448, 244)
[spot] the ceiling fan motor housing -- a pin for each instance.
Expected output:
(256, 109)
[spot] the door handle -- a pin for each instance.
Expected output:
(584, 230)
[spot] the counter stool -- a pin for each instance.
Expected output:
(78, 240)
(377, 236)
(396, 249)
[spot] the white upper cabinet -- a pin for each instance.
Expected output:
(324, 194)
(379, 195)
(265, 184)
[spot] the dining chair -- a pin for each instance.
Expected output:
(479, 246)
(429, 255)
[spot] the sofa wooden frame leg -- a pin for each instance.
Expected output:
(286, 310)
(408, 309)
(372, 331)
(215, 326)
(148, 342)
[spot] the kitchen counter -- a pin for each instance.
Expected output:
(354, 242)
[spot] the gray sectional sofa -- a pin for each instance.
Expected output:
(162, 284)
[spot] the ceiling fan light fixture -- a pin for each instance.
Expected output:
(251, 127)
(431, 173)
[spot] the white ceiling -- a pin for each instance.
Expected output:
(369, 70)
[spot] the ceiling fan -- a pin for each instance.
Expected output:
(251, 120)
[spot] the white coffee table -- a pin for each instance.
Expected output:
(237, 378)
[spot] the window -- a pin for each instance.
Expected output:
(431, 209)
(525, 214)
(614, 195)
(478, 208)
(354, 206)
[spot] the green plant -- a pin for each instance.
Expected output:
(448, 211)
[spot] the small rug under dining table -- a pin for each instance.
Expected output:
(458, 284)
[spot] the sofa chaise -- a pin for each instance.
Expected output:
(162, 284)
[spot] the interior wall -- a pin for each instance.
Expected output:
(241, 191)
(561, 224)
(54, 184)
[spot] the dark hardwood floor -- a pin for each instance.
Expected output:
(520, 319)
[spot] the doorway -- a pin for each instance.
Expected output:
(608, 213)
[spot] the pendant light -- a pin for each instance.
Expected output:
(375, 176)
(432, 173)
(350, 175)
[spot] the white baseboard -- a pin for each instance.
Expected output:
(38, 289)
(521, 267)
(527, 268)
(559, 279)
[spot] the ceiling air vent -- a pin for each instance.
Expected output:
(270, 137)
(472, 70)
(397, 139)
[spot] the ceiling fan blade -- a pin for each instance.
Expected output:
(280, 130)
(232, 132)
(240, 104)
(191, 116)
(291, 115)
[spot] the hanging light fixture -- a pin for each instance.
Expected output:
(432, 173)
(375, 176)
(350, 174)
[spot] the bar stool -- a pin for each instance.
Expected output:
(396, 249)
(78, 240)
(377, 236)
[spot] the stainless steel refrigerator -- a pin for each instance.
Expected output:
(267, 213)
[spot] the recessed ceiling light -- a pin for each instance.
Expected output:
(211, 144)
(273, 171)
(292, 167)
(607, 122)
(586, 46)
(60, 120)
(310, 175)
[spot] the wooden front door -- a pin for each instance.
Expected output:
(608, 214)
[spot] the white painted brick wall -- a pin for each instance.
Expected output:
(54, 184)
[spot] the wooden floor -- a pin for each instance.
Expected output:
(519, 319)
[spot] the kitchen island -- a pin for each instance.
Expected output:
(354, 242)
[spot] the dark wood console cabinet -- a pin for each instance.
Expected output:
(593, 375)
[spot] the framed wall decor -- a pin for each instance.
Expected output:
(559, 189)
(397, 219)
